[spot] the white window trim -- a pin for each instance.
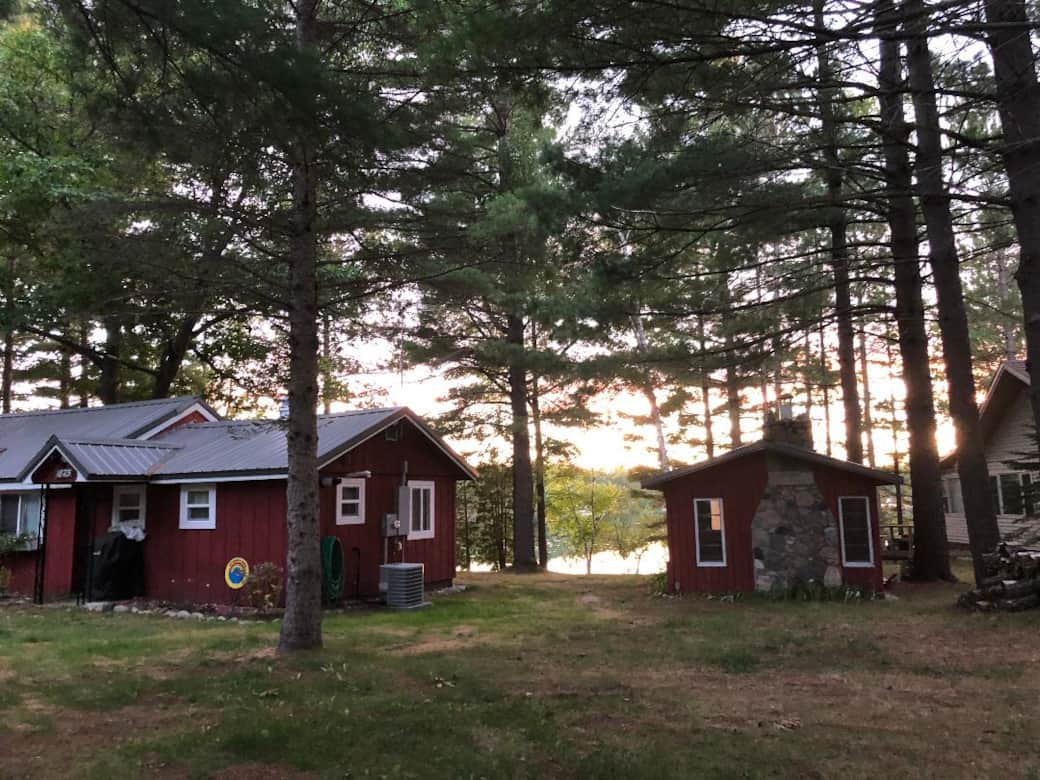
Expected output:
(697, 534)
(433, 510)
(119, 490)
(186, 523)
(31, 543)
(870, 535)
(342, 519)
(998, 472)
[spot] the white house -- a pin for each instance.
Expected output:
(1006, 421)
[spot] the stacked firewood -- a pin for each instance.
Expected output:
(1012, 581)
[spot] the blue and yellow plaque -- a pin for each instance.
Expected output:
(236, 573)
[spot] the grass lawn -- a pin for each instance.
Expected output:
(531, 676)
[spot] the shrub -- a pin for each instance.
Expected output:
(5, 579)
(658, 584)
(263, 588)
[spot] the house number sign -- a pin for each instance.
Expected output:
(236, 572)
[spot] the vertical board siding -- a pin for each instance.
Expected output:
(187, 566)
(61, 519)
(834, 483)
(740, 484)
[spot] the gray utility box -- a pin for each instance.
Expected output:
(393, 525)
(402, 585)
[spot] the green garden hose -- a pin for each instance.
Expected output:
(332, 569)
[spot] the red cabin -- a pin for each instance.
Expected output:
(205, 490)
(767, 515)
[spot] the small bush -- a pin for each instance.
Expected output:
(658, 584)
(5, 579)
(263, 588)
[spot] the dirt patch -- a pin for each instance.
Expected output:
(461, 636)
(52, 739)
(256, 771)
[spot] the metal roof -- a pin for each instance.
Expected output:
(779, 448)
(23, 434)
(112, 459)
(258, 447)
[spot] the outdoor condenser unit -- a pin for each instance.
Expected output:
(402, 585)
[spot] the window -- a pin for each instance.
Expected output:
(128, 502)
(421, 507)
(710, 531)
(1012, 493)
(20, 514)
(198, 507)
(954, 503)
(350, 502)
(857, 545)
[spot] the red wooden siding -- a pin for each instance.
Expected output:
(385, 459)
(188, 565)
(195, 417)
(61, 518)
(740, 484)
(834, 483)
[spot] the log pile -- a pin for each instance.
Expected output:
(1012, 581)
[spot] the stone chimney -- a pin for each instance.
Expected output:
(785, 428)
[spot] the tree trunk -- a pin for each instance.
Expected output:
(983, 534)
(650, 394)
(173, 356)
(837, 221)
(539, 463)
(301, 625)
(931, 560)
(7, 374)
(523, 487)
(733, 405)
(83, 382)
(1018, 101)
(825, 374)
(709, 431)
(326, 364)
(868, 419)
(64, 377)
(109, 382)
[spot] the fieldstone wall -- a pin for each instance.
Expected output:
(794, 535)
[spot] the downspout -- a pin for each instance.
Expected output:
(41, 547)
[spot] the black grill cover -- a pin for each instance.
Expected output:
(118, 568)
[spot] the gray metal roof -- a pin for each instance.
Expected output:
(113, 459)
(257, 447)
(779, 448)
(23, 434)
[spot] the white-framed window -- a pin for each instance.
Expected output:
(128, 505)
(198, 507)
(857, 541)
(350, 502)
(952, 499)
(20, 514)
(421, 521)
(1012, 492)
(709, 529)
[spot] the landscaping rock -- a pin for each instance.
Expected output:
(120, 608)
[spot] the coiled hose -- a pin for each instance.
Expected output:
(332, 570)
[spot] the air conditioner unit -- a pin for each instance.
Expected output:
(402, 585)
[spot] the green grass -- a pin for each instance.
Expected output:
(529, 676)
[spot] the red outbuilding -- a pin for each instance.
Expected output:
(768, 515)
(205, 490)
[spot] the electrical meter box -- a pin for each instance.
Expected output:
(392, 526)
